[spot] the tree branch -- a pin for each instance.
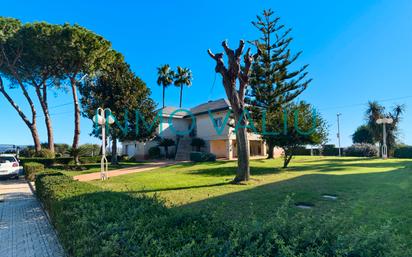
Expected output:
(220, 65)
(14, 104)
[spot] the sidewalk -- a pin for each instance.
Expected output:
(25, 230)
(114, 173)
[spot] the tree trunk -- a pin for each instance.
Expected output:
(47, 118)
(181, 96)
(164, 91)
(32, 125)
(287, 158)
(36, 137)
(243, 169)
(114, 151)
(270, 149)
(167, 152)
(76, 114)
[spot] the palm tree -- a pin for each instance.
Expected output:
(376, 111)
(183, 78)
(165, 77)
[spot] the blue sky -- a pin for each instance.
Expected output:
(357, 51)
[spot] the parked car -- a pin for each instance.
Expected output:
(9, 166)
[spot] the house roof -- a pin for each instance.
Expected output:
(213, 106)
(169, 110)
(217, 105)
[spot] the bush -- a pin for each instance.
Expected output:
(31, 169)
(305, 151)
(198, 143)
(124, 158)
(362, 150)
(45, 153)
(92, 222)
(90, 159)
(202, 157)
(330, 150)
(27, 152)
(154, 152)
(403, 152)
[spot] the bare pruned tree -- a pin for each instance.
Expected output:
(235, 77)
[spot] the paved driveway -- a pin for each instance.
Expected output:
(24, 228)
(114, 173)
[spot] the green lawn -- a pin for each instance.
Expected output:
(95, 167)
(370, 191)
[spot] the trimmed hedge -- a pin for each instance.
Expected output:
(91, 159)
(202, 157)
(330, 150)
(50, 162)
(92, 222)
(31, 169)
(403, 152)
(47, 162)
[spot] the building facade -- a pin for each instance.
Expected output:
(210, 121)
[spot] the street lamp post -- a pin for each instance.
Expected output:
(340, 150)
(101, 120)
(384, 121)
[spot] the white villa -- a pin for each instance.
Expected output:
(220, 141)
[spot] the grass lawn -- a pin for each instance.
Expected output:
(95, 167)
(370, 191)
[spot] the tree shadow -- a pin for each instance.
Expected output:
(177, 188)
(370, 198)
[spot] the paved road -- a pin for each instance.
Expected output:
(114, 173)
(24, 229)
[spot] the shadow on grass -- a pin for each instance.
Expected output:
(178, 188)
(326, 165)
(370, 198)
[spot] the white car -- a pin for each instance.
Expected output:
(9, 166)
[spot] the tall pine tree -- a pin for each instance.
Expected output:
(274, 82)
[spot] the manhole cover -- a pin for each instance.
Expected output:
(330, 197)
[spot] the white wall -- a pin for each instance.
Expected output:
(205, 128)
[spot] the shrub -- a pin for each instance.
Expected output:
(45, 153)
(154, 152)
(198, 143)
(403, 152)
(124, 158)
(92, 222)
(31, 169)
(90, 159)
(330, 150)
(27, 152)
(166, 143)
(362, 150)
(202, 157)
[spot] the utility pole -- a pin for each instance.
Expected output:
(384, 121)
(340, 150)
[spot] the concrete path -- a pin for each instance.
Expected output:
(114, 173)
(25, 230)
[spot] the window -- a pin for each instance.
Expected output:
(7, 159)
(218, 122)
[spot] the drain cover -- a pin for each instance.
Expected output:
(304, 205)
(330, 197)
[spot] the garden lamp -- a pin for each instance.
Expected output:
(102, 120)
(384, 121)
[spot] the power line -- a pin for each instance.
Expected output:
(363, 104)
(60, 105)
